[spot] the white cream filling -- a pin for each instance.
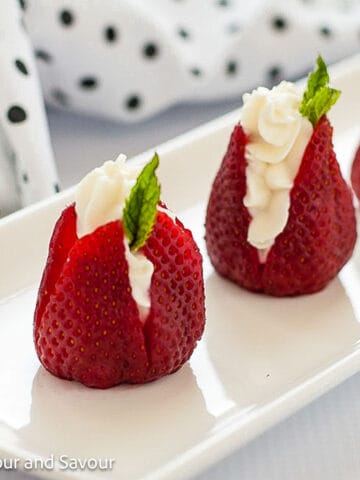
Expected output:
(140, 274)
(100, 199)
(278, 135)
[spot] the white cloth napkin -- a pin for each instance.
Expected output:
(129, 59)
(27, 168)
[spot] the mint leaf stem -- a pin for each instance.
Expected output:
(141, 206)
(318, 98)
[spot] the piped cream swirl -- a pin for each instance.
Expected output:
(278, 135)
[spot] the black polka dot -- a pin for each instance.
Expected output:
(231, 68)
(56, 188)
(150, 50)
(25, 177)
(279, 23)
(16, 114)
(20, 65)
(22, 4)
(233, 28)
(43, 55)
(111, 34)
(133, 102)
(66, 17)
(196, 72)
(60, 97)
(274, 74)
(325, 31)
(183, 33)
(223, 3)
(88, 83)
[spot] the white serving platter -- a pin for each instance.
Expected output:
(260, 359)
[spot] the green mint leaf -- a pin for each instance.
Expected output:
(318, 98)
(141, 206)
(325, 99)
(317, 79)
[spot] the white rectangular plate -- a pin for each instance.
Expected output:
(260, 359)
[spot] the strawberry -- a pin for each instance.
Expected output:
(355, 173)
(319, 235)
(88, 326)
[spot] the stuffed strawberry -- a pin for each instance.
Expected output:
(122, 297)
(355, 173)
(280, 217)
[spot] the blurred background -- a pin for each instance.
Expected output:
(125, 75)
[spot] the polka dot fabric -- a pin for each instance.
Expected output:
(129, 59)
(27, 171)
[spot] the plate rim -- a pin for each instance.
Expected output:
(212, 449)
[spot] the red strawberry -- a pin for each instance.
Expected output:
(319, 235)
(87, 325)
(355, 173)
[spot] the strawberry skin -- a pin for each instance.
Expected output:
(87, 326)
(317, 240)
(355, 173)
